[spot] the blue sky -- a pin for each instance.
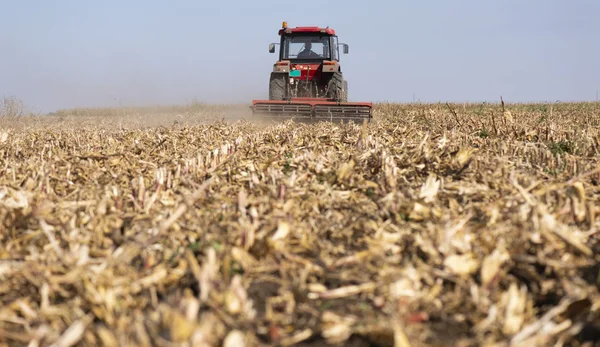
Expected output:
(60, 54)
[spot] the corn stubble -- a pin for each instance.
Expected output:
(433, 225)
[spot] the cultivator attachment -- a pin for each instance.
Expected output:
(313, 109)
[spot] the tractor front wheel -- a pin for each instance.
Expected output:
(277, 88)
(336, 87)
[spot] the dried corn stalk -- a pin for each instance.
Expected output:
(433, 225)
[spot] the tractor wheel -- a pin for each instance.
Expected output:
(277, 88)
(345, 94)
(335, 87)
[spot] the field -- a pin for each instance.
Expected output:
(436, 224)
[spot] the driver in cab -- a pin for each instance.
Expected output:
(307, 53)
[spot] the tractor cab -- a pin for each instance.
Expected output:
(308, 44)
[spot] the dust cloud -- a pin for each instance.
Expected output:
(134, 118)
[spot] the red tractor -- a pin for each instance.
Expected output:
(307, 81)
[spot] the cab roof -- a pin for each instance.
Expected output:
(307, 29)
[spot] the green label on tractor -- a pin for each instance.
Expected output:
(295, 73)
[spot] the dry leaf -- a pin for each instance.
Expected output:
(463, 265)
(430, 189)
(335, 328)
(235, 338)
(516, 299)
(491, 265)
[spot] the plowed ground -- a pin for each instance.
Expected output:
(433, 225)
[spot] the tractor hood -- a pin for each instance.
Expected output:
(306, 70)
(302, 70)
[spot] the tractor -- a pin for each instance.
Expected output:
(307, 82)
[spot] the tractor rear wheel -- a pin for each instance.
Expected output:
(335, 87)
(277, 87)
(345, 94)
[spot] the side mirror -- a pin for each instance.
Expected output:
(271, 48)
(345, 48)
